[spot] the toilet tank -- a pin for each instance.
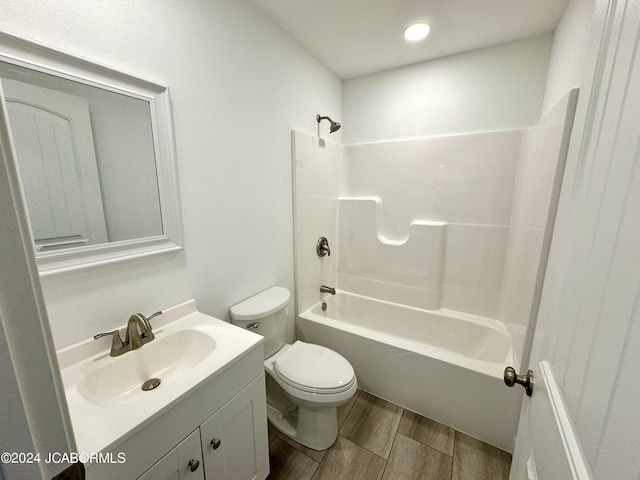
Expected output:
(266, 314)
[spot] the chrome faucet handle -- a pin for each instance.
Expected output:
(116, 342)
(153, 315)
(147, 322)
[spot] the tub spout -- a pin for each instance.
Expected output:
(325, 289)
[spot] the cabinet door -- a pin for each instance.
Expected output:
(179, 463)
(234, 439)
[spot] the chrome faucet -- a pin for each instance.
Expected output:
(325, 289)
(138, 333)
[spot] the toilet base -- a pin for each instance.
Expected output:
(314, 428)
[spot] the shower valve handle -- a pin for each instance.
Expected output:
(322, 247)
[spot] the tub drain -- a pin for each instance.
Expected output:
(150, 384)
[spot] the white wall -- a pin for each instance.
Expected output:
(494, 88)
(238, 86)
(569, 52)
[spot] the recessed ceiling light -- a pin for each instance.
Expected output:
(417, 31)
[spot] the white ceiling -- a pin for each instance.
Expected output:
(358, 37)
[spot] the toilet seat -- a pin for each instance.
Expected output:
(314, 369)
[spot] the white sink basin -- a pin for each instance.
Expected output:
(104, 395)
(120, 380)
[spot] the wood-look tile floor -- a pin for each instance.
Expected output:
(380, 440)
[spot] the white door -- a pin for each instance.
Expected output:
(583, 418)
(53, 139)
(34, 415)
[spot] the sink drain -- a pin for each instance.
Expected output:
(150, 384)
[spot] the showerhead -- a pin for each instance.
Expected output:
(334, 127)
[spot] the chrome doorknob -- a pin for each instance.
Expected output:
(193, 465)
(511, 378)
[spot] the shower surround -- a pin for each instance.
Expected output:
(425, 222)
(443, 235)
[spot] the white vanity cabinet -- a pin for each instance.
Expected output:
(182, 463)
(158, 433)
(231, 444)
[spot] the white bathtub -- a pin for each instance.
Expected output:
(444, 365)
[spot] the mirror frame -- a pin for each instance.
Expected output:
(36, 56)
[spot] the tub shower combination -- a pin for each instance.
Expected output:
(418, 261)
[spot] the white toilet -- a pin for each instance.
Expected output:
(305, 382)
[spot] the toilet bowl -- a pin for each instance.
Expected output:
(305, 382)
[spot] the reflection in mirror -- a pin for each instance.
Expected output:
(94, 148)
(86, 159)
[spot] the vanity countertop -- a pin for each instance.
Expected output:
(107, 405)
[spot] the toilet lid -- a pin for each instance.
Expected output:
(314, 368)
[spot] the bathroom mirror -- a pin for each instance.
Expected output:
(94, 147)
